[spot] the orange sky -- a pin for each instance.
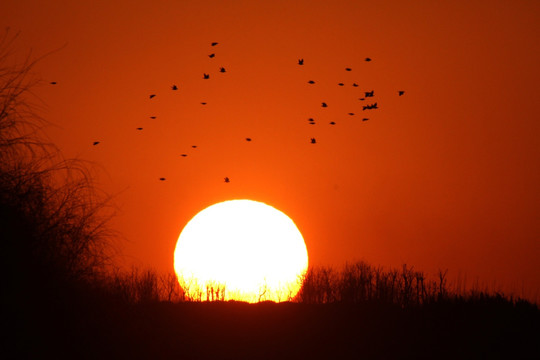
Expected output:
(445, 176)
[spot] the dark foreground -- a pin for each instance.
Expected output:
(459, 330)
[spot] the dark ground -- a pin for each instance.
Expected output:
(458, 330)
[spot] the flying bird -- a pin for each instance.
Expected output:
(361, 99)
(370, 93)
(95, 143)
(324, 104)
(355, 84)
(183, 155)
(174, 87)
(227, 180)
(162, 179)
(211, 56)
(152, 96)
(311, 82)
(203, 103)
(140, 128)
(365, 119)
(368, 59)
(332, 123)
(313, 141)
(53, 82)
(401, 92)
(214, 43)
(351, 114)
(300, 61)
(206, 76)
(222, 69)
(152, 117)
(348, 69)
(341, 84)
(194, 146)
(248, 139)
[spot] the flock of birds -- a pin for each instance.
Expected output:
(367, 94)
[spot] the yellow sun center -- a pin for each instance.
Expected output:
(240, 250)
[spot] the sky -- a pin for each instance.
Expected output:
(443, 177)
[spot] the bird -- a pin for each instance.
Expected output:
(332, 123)
(152, 96)
(311, 82)
(194, 146)
(355, 84)
(206, 76)
(211, 55)
(248, 139)
(214, 43)
(401, 92)
(162, 179)
(341, 84)
(139, 128)
(95, 143)
(183, 155)
(348, 69)
(152, 117)
(203, 103)
(370, 93)
(368, 59)
(174, 87)
(222, 69)
(300, 61)
(351, 114)
(324, 104)
(365, 119)
(227, 180)
(313, 141)
(361, 99)
(311, 119)
(53, 82)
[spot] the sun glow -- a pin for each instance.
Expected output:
(240, 250)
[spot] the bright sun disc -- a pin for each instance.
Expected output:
(240, 250)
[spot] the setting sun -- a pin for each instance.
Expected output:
(240, 250)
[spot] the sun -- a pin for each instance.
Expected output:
(240, 250)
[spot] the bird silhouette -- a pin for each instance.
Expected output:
(332, 123)
(206, 76)
(140, 128)
(152, 96)
(214, 43)
(368, 59)
(351, 114)
(194, 146)
(401, 92)
(300, 61)
(370, 93)
(311, 82)
(324, 104)
(152, 117)
(341, 84)
(355, 84)
(313, 141)
(95, 143)
(183, 155)
(222, 69)
(53, 82)
(211, 56)
(348, 69)
(365, 119)
(174, 87)
(248, 139)
(227, 180)
(361, 99)
(203, 103)
(162, 179)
